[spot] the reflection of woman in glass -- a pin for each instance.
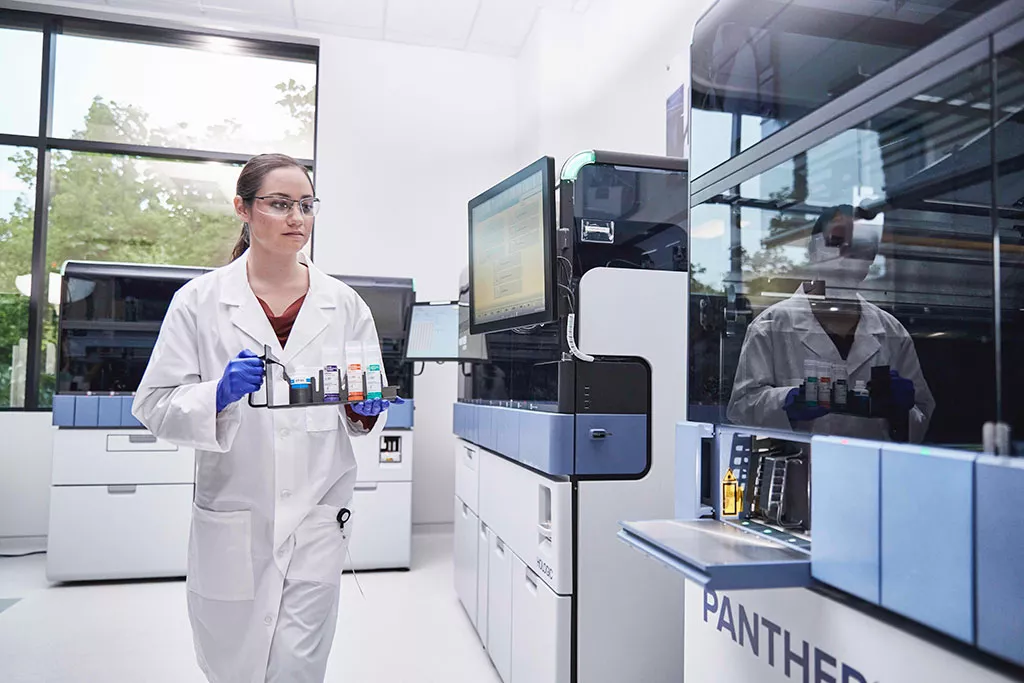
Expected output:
(845, 332)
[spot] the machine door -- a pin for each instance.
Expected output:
(719, 555)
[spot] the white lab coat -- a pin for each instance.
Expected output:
(265, 551)
(785, 335)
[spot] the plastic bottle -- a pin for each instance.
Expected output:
(840, 387)
(354, 375)
(332, 384)
(811, 379)
(374, 384)
(825, 385)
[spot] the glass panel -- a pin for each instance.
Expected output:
(759, 65)
(19, 114)
(1010, 153)
(848, 291)
(128, 210)
(17, 213)
(116, 91)
(110, 327)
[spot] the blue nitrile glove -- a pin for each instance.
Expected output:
(242, 376)
(800, 411)
(375, 407)
(903, 393)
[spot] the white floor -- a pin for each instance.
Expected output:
(409, 628)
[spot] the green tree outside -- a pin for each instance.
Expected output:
(124, 209)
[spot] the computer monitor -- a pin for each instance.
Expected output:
(433, 332)
(511, 251)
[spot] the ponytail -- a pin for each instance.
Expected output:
(242, 244)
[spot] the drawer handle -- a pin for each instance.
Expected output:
(469, 454)
(121, 490)
(531, 582)
(545, 530)
(465, 510)
(499, 547)
(141, 438)
(366, 487)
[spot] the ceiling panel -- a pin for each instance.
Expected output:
(503, 23)
(275, 8)
(185, 7)
(442, 23)
(361, 13)
(324, 28)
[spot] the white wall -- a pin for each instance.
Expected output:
(407, 135)
(600, 80)
(25, 466)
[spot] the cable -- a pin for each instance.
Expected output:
(572, 297)
(570, 337)
(34, 552)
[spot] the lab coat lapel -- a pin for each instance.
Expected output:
(812, 335)
(246, 313)
(866, 342)
(312, 319)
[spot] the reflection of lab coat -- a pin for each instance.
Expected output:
(265, 551)
(786, 334)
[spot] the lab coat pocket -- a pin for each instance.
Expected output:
(321, 546)
(220, 563)
(322, 418)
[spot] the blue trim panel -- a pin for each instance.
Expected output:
(1000, 556)
(63, 411)
(928, 537)
(845, 506)
(87, 411)
(543, 441)
(400, 416)
(621, 451)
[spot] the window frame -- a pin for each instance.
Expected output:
(44, 143)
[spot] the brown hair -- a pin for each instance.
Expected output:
(250, 180)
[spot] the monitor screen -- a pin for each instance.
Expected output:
(511, 227)
(433, 332)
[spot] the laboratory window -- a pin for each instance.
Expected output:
(210, 99)
(849, 290)
(17, 214)
(142, 142)
(1009, 147)
(21, 53)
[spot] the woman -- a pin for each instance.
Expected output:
(842, 329)
(268, 540)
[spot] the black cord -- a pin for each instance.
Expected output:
(34, 552)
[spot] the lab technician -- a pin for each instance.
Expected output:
(832, 327)
(270, 525)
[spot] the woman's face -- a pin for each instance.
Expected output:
(277, 222)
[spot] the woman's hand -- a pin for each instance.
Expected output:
(374, 407)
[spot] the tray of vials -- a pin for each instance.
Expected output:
(326, 385)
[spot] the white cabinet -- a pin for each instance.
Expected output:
(466, 557)
(499, 606)
(541, 628)
(381, 533)
(118, 531)
(482, 581)
(467, 474)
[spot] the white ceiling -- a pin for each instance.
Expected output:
(495, 27)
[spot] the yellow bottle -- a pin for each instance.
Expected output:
(731, 496)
